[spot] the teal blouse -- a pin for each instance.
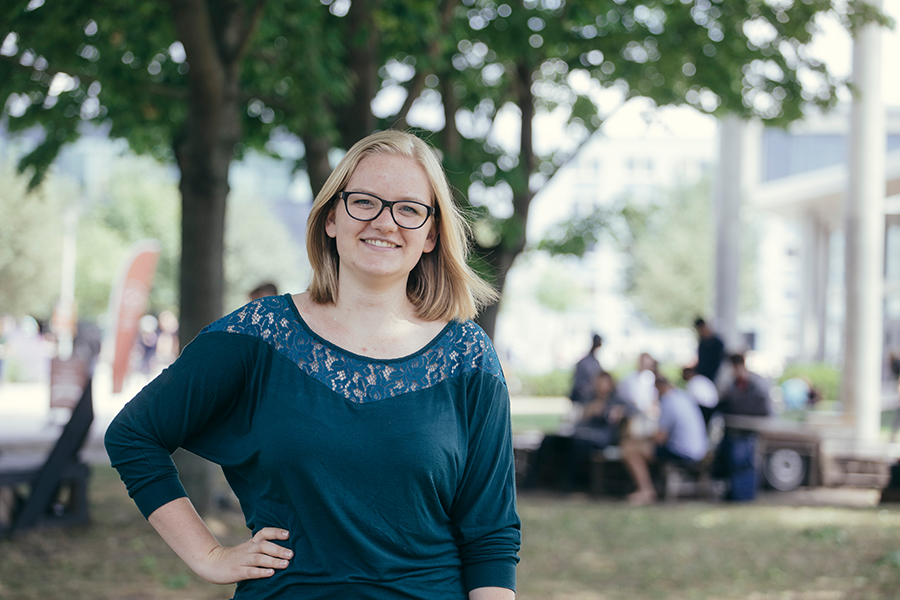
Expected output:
(395, 478)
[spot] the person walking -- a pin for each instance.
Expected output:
(710, 350)
(586, 372)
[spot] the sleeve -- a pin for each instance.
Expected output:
(666, 417)
(190, 404)
(486, 524)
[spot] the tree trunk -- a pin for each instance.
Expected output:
(501, 258)
(501, 261)
(213, 43)
(363, 42)
(317, 166)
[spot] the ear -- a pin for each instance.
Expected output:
(431, 240)
(330, 224)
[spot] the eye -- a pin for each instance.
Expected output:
(412, 209)
(361, 201)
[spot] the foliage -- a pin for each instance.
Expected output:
(203, 85)
(30, 246)
(557, 290)
(141, 203)
(554, 383)
(672, 270)
(819, 375)
(259, 248)
(670, 242)
(578, 234)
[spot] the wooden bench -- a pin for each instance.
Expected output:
(52, 491)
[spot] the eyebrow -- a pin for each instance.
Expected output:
(401, 199)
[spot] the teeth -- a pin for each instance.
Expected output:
(381, 244)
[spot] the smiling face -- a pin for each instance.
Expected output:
(380, 248)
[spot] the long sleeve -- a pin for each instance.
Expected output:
(185, 406)
(484, 512)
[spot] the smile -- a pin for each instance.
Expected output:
(381, 243)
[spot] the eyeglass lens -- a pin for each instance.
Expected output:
(365, 207)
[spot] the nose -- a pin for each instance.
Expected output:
(385, 220)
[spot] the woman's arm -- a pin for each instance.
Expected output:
(492, 593)
(185, 532)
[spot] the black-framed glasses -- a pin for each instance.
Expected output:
(367, 207)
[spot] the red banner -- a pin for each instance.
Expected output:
(127, 303)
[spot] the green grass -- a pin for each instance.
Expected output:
(545, 423)
(589, 550)
(574, 548)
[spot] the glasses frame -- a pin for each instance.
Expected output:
(429, 210)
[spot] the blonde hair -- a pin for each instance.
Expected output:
(442, 286)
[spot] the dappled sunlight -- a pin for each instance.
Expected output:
(805, 517)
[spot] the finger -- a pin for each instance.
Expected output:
(271, 533)
(272, 549)
(255, 573)
(265, 561)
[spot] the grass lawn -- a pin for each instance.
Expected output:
(575, 548)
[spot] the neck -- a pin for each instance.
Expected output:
(371, 309)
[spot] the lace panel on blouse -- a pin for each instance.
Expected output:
(462, 348)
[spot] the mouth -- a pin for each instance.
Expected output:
(381, 244)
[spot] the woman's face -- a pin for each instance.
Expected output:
(380, 249)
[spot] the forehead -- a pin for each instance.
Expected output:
(391, 176)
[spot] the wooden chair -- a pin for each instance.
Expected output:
(55, 492)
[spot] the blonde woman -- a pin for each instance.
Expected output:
(363, 424)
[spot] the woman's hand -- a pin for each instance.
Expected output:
(256, 558)
(186, 533)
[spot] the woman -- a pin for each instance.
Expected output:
(364, 425)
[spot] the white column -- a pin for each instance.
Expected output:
(864, 234)
(823, 268)
(814, 288)
(738, 170)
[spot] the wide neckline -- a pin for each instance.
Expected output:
(288, 298)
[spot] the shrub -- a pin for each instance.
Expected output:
(554, 383)
(821, 376)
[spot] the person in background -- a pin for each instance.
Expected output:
(562, 458)
(264, 289)
(364, 425)
(586, 371)
(681, 436)
(639, 390)
(748, 394)
(710, 350)
(702, 390)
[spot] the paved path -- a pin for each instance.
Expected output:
(29, 426)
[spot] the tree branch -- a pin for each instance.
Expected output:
(249, 31)
(417, 84)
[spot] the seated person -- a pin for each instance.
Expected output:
(639, 390)
(681, 436)
(748, 394)
(566, 455)
(603, 416)
(702, 390)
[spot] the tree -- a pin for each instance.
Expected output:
(199, 81)
(140, 202)
(481, 63)
(30, 246)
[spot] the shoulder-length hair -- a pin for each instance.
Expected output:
(442, 286)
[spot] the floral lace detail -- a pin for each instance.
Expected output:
(461, 348)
